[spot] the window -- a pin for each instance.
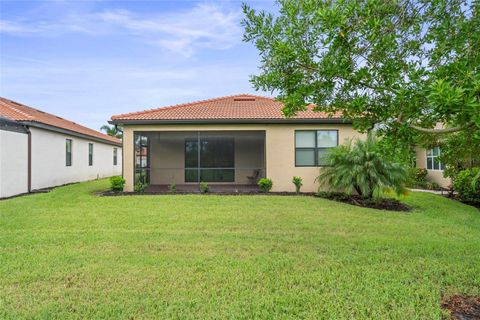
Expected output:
(432, 159)
(115, 156)
(90, 154)
(311, 147)
(214, 162)
(68, 152)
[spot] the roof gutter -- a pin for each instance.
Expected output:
(233, 121)
(69, 132)
(12, 125)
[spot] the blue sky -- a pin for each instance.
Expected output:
(88, 60)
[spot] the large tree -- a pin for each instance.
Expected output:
(399, 65)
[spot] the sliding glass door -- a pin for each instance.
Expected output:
(210, 159)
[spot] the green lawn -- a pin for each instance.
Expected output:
(70, 254)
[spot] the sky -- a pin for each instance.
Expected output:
(88, 60)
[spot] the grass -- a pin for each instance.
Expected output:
(70, 254)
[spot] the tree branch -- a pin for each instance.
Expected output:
(433, 131)
(364, 84)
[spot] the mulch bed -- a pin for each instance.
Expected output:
(223, 193)
(456, 198)
(462, 307)
(380, 204)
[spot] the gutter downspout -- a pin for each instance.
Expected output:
(29, 133)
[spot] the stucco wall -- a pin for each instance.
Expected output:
(48, 160)
(13, 163)
(432, 175)
(279, 147)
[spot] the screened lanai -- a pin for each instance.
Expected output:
(222, 159)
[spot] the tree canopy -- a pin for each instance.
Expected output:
(396, 65)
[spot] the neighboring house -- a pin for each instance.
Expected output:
(233, 140)
(428, 159)
(40, 150)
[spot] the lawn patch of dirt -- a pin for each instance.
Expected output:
(381, 204)
(462, 307)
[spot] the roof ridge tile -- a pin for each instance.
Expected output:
(232, 107)
(186, 104)
(13, 110)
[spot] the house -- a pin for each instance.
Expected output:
(228, 141)
(428, 159)
(40, 150)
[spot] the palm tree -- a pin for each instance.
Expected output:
(112, 131)
(360, 167)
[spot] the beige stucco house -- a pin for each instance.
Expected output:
(427, 159)
(229, 141)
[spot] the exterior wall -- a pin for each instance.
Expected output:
(13, 163)
(48, 160)
(279, 149)
(432, 175)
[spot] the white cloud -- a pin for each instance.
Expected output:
(182, 32)
(11, 27)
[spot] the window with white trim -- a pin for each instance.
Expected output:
(68, 152)
(90, 154)
(432, 159)
(115, 156)
(312, 147)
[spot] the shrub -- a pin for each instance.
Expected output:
(432, 186)
(362, 168)
(297, 181)
(265, 184)
(467, 184)
(417, 177)
(117, 183)
(204, 188)
(140, 187)
(172, 188)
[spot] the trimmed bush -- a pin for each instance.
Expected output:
(467, 184)
(265, 184)
(432, 186)
(297, 181)
(117, 183)
(417, 178)
(204, 188)
(140, 187)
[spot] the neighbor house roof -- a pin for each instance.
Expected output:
(235, 108)
(18, 112)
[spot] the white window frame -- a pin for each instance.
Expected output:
(431, 157)
(90, 154)
(316, 148)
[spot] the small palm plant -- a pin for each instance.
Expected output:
(359, 166)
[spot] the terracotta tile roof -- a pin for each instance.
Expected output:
(15, 111)
(235, 107)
